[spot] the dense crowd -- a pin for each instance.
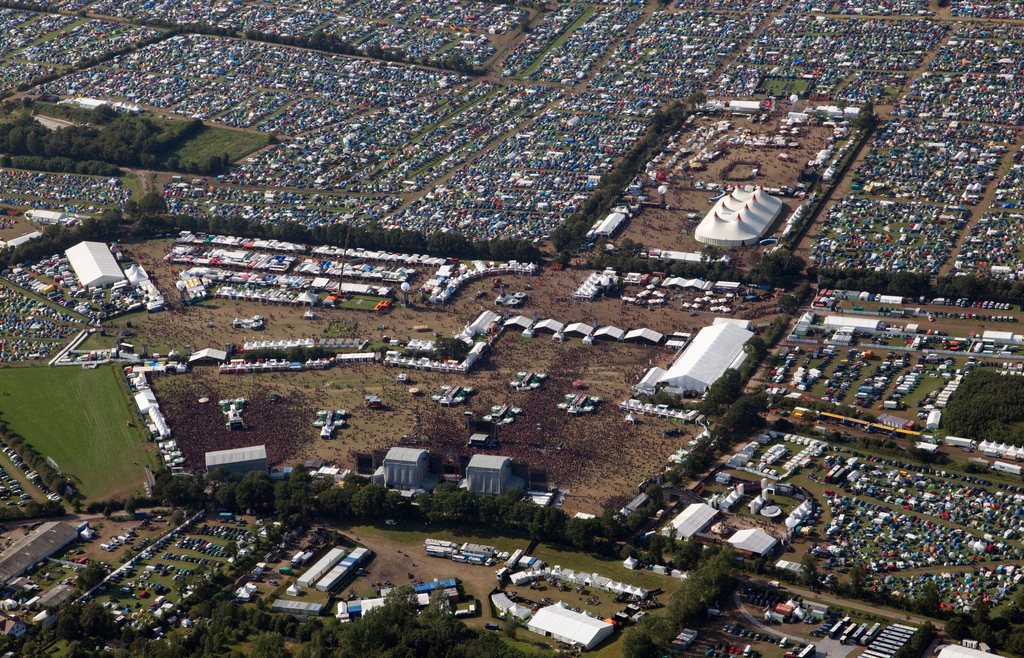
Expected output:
(965, 97)
(865, 7)
(888, 540)
(539, 39)
(994, 247)
(529, 182)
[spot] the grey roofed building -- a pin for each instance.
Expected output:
(609, 333)
(753, 541)
(38, 545)
(208, 355)
(56, 595)
(238, 460)
(491, 474)
(407, 469)
(644, 335)
(300, 608)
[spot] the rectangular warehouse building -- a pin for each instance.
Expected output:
(94, 265)
(34, 547)
(238, 460)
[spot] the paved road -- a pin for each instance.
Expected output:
(823, 646)
(895, 615)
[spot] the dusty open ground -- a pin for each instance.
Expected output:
(599, 459)
(688, 197)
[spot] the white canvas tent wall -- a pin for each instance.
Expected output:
(561, 623)
(738, 218)
(714, 350)
(94, 265)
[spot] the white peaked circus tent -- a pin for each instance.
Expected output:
(739, 218)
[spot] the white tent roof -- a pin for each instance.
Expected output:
(208, 353)
(549, 324)
(610, 332)
(580, 328)
(738, 218)
(93, 264)
(519, 321)
(957, 651)
(561, 622)
(645, 335)
(712, 352)
(692, 520)
(753, 540)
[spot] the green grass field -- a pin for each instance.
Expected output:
(359, 303)
(211, 141)
(77, 418)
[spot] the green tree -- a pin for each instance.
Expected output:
(268, 645)
(809, 570)
(90, 576)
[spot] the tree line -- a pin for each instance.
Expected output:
(148, 218)
(914, 285)
(123, 141)
(987, 405)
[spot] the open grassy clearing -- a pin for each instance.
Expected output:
(214, 141)
(79, 418)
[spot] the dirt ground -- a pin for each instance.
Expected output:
(690, 189)
(598, 459)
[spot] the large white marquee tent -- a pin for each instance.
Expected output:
(738, 218)
(94, 265)
(714, 350)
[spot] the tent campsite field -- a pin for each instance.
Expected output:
(78, 418)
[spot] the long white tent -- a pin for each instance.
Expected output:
(738, 218)
(714, 350)
(94, 265)
(561, 623)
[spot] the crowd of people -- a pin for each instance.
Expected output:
(529, 182)
(1012, 9)
(994, 247)
(213, 75)
(965, 97)
(198, 199)
(30, 328)
(424, 30)
(957, 589)
(864, 7)
(980, 48)
(85, 40)
(829, 48)
(886, 540)
(863, 233)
